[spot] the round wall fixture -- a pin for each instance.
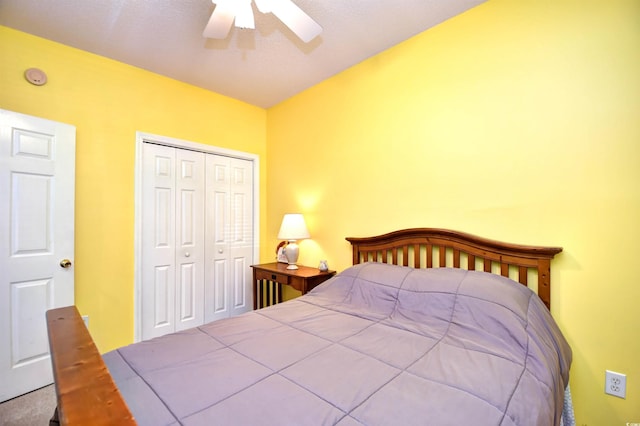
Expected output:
(35, 76)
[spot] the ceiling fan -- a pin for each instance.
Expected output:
(240, 11)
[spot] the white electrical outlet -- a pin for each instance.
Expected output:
(85, 318)
(615, 384)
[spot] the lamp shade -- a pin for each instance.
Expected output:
(293, 227)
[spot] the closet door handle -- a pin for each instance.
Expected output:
(220, 251)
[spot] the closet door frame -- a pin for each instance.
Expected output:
(143, 137)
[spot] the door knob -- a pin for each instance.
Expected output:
(65, 263)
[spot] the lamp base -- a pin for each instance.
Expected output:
(291, 251)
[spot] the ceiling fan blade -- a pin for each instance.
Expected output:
(294, 18)
(264, 6)
(220, 22)
(244, 15)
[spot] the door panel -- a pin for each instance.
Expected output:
(188, 290)
(158, 243)
(230, 221)
(28, 300)
(31, 214)
(241, 238)
(217, 227)
(162, 300)
(37, 193)
(216, 285)
(190, 251)
(172, 262)
(239, 285)
(163, 217)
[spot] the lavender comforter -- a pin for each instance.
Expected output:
(376, 345)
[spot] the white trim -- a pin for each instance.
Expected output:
(142, 137)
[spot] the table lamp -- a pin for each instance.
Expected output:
(293, 228)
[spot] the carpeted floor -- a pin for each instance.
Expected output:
(32, 409)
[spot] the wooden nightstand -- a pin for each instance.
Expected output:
(269, 277)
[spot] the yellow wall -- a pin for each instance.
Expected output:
(518, 120)
(108, 102)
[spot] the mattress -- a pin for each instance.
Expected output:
(375, 345)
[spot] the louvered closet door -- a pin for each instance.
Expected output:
(172, 240)
(229, 246)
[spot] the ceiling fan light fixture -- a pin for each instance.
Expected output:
(241, 11)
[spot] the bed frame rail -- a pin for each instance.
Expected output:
(86, 392)
(432, 247)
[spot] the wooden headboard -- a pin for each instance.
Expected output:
(432, 247)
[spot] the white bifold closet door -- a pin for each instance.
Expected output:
(197, 238)
(229, 243)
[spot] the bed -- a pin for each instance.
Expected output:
(429, 326)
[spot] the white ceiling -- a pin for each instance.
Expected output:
(262, 67)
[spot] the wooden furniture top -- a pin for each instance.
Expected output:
(85, 390)
(303, 279)
(433, 247)
(302, 271)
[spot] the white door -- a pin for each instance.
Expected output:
(172, 239)
(37, 187)
(229, 247)
(194, 247)
(241, 236)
